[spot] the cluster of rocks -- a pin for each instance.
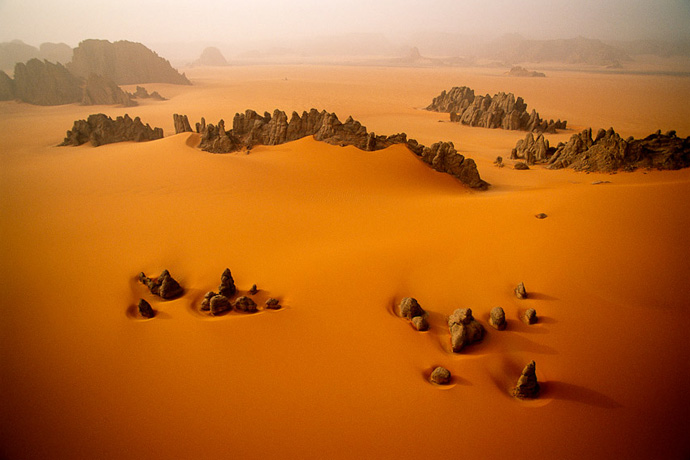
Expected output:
(219, 303)
(519, 71)
(100, 129)
(164, 286)
(250, 129)
(464, 329)
(409, 308)
(502, 110)
(44, 83)
(124, 62)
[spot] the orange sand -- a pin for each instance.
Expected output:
(340, 236)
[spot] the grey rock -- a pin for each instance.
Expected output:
(253, 290)
(206, 303)
(520, 166)
(273, 304)
(100, 129)
(99, 90)
(181, 124)
(219, 304)
(44, 83)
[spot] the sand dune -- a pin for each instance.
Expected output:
(340, 236)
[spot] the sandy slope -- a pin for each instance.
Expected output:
(340, 235)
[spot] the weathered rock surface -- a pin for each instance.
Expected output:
(518, 71)
(531, 150)
(530, 316)
(420, 323)
(181, 124)
(608, 152)
(253, 290)
(409, 308)
(145, 309)
(227, 284)
(273, 304)
(502, 110)
(163, 286)
(219, 304)
(102, 91)
(211, 56)
(250, 129)
(44, 83)
(520, 166)
(141, 93)
(124, 62)
(100, 129)
(527, 385)
(497, 318)
(520, 291)
(464, 329)
(6, 87)
(440, 376)
(206, 303)
(245, 304)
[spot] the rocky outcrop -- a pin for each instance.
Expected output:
(497, 318)
(44, 83)
(520, 291)
(227, 284)
(211, 56)
(518, 71)
(440, 376)
(141, 93)
(181, 124)
(531, 150)
(100, 129)
(99, 90)
(502, 110)
(145, 309)
(163, 286)
(250, 129)
(6, 87)
(608, 152)
(124, 62)
(245, 304)
(527, 385)
(409, 308)
(464, 329)
(273, 304)
(530, 316)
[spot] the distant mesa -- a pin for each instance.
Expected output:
(7, 91)
(606, 152)
(100, 129)
(44, 83)
(124, 62)
(250, 129)
(18, 51)
(502, 110)
(211, 56)
(519, 71)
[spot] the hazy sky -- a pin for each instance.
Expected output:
(156, 21)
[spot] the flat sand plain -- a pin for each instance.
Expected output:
(340, 236)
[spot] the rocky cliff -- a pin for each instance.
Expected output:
(99, 90)
(250, 129)
(123, 62)
(502, 110)
(6, 87)
(100, 129)
(44, 83)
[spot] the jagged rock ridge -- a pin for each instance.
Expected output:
(502, 110)
(250, 129)
(123, 62)
(100, 129)
(44, 83)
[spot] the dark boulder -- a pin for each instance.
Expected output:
(420, 323)
(227, 284)
(163, 286)
(206, 303)
(273, 304)
(219, 304)
(527, 385)
(530, 316)
(44, 83)
(181, 124)
(253, 290)
(145, 309)
(245, 304)
(440, 376)
(101, 91)
(497, 318)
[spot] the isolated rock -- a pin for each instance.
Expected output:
(273, 304)
(608, 152)
(527, 385)
(520, 166)
(502, 110)
(530, 316)
(409, 308)
(497, 318)
(541, 215)
(443, 157)
(245, 304)
(219, 304)
(164, 285)
(124, 62)
(440, 376)
(499, 161)
(211, 56)
(464, 329)
(44, 83)
(420, 323)
(181, 124)
(100, 129)
(253, 290)
(145, 309)
(101, 91)
(227, 284)
(520, 291)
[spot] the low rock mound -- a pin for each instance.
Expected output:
(100, 129)
(250, 129)
(7, 92)
(464, 329)
(164, 286)
(502, 110)
(211, 56)
(245, 304)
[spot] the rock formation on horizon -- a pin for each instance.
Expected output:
(163, 286)
(17, 51)
(527, 385)
(250, 129)
(464, 329)
(100, 129)
(518, 71)
(124, 62)
(502, 110)
(44, 83)
(211, 56)
(99, 90)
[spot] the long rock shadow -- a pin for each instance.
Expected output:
(563, 391)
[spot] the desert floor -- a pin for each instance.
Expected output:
(340, 236)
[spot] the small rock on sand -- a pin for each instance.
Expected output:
(273, 304)
(541, 215)
(420, 323)
(530, 316)
(520, 291)
(245, 304)
(440, 376)
(145, 309)
(409, 308)
(497, 318)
